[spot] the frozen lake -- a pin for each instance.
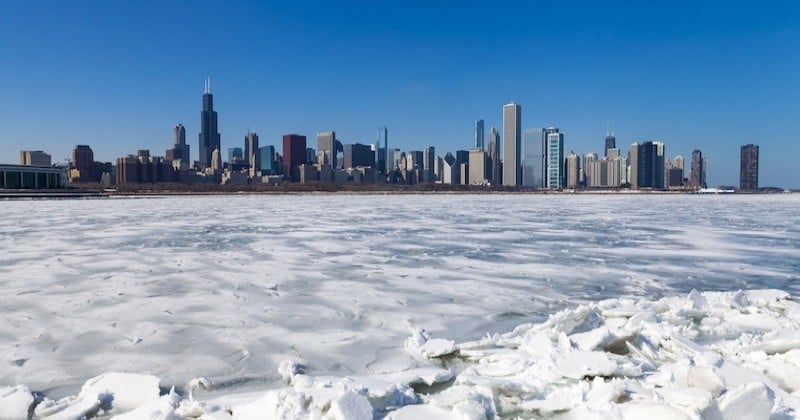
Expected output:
(228, 287)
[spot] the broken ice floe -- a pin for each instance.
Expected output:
(713, 355)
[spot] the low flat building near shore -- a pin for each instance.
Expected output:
(16, 177)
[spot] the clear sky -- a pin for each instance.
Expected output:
(119, 75)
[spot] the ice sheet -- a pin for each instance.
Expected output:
(229, 287)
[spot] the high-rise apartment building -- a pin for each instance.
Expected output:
(512, 145)
(494, 157)
(573, 169)
(555, 159)
(294, 155)
(748, 168)
(34, 158)
(209, 137)
(479, 136)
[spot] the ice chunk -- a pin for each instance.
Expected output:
(127, 390)
(580, 364)
(747, 401)
(652, 411)
(160, 409)
(421, 344)
(15, 401)
(351, 406)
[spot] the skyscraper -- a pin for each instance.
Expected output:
(611, 143)
(428, 160)
(512, 144)
(748, 167)
(573, 168)
(251, 153)
(267, 160)
(180, 150)
(697, 175)
(358, 155)
(647, 165)
(532, 158)
(479, 137)
(82, 162)
(326, 148)
(555, 159)
(385, 155)
(209, 135)
(494, 157)
(294, 154)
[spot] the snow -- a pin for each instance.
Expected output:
(401, 306)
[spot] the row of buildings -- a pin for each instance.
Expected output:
(534, 158)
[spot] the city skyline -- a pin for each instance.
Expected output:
(692, 80)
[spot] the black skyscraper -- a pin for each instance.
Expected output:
(611, 143)
(748, 172)
(209, 137)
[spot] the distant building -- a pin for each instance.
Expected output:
(34, 158)
(697, 178)
(180, 150)
(611, 143)
(326, 148)
(83, 165)
(495, 172)
(235, 158)
(533, 141)
(385, 158)
(358, 155)
(450, 170)
(142, 168)
(647, 165)
(748, 168)
(414, 160)
(555, 159)
(573, 169)
(251, 154)
(478, 174)
(209, 138)
(294, 154)
(31, 177)
(512, 144)
(479, 136)
(428, 162)
(589, 173)
(267, 160)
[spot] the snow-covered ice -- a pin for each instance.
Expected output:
(401, 306)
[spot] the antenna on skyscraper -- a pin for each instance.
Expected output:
(208, 85)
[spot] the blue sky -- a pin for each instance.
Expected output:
(118, 76)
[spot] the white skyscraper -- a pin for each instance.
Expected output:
(512, 144)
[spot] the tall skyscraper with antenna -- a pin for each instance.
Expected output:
(611, 142)
(209, 134)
